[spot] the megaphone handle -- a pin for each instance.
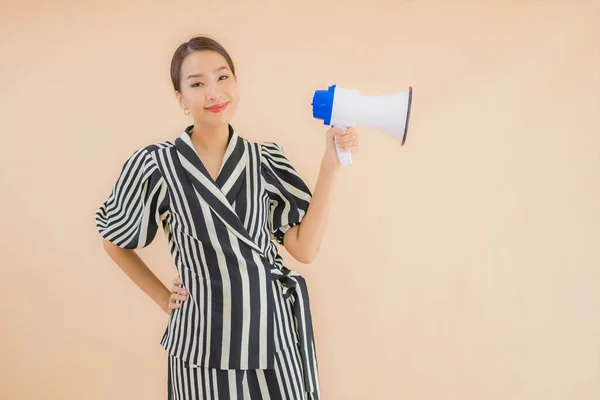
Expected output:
(345, 157)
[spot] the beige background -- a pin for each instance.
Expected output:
(464, 265)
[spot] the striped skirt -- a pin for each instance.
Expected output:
(284, 382)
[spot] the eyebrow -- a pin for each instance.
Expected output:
(201, 75)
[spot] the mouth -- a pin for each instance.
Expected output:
(217, 107)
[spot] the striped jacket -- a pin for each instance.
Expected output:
(221, 235)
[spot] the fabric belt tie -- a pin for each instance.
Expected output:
(295, 286)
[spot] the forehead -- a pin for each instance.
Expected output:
(202, 62)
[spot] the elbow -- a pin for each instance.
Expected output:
(309, 254)
(307, 257)
(303, 260)
(304, 252)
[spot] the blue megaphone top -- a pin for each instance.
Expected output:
(322, 104)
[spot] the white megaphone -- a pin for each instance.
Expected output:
(347, 108)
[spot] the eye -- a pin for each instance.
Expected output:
(223, 76)
(197, 83)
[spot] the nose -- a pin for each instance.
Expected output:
(212, 93)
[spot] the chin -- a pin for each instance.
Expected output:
(214, 122)
(217, 120)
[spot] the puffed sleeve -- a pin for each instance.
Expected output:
(136, 205)
(289, 197)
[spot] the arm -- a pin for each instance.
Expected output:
(139, 273)
(303, 241)
(129, 219)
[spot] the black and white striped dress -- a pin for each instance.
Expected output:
(245, 331)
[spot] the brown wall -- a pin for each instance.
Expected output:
(463, 266)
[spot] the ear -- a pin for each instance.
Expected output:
(180, 100)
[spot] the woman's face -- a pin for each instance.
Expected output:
(208, 88)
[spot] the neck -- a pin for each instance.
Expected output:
(210, 139)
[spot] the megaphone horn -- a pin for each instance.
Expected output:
(347, 107)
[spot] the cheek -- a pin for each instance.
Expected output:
(232, 90)
(196, 100)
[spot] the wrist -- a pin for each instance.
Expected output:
(165, 307)
(330, 164)
(164, 304)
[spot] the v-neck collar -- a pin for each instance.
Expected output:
(220, 194)
(186, 136)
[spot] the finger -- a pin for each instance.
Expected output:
(178, 290)
(335, 131)
(177, 287)
(341, 138)
(177, 281)
(349, 147)
(348, 137)
(343, 143)
(180, 293)
(173, 300)
(179, 297)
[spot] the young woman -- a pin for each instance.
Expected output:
(239, 321)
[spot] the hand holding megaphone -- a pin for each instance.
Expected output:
(341, 143)
(347, 108)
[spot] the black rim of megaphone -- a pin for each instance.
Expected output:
(407, 114)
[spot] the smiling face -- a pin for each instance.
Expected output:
(208, 88)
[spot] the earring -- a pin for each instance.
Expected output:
(186, 111)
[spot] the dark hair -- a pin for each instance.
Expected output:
(196, 43)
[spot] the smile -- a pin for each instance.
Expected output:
(217, 108)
